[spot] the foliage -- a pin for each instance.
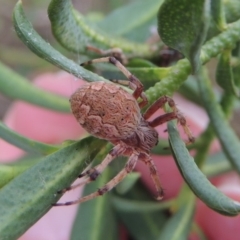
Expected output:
(194, 39)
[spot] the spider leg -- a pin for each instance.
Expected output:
(175, 114)
(160, 103)
(115, 52)
(154, 175)
(92, 174)
(134, 82)
(111, 184)
(133, 87)
(104, 52)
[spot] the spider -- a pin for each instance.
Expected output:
(109, 112)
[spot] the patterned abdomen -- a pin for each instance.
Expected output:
(106, 110)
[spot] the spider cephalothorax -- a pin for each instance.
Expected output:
(144, 138)
(109, 112)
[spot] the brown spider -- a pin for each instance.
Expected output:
(109, 112)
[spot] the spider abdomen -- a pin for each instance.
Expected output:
(106, 110)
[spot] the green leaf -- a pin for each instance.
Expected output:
(141, 224)
(73, 31)
(95, 219)
(150, 75)
(10, 171)
(228, 139)
(24, 143)
(189, 90)
(16, 87)
(139, 63)
(232, 10)
(196, 180)
(147, 75)
(162, 148)
(217, 13)
(183, 26)
(168, 85)
(137, 206)
(179, 225)
(216, 164)
(30, 195)
(224, 74)
(44, 50)
(236, 70)
(198, 232)
(128, 182)
(139, 16)
(222, 12)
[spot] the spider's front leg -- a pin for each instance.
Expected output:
(115, 52)
(111, 184)
(134, 83)
(92, 174)
(175, 114)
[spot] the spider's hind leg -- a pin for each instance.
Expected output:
(92, 174)
(111, 184)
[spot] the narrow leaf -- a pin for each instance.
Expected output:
(236, 70)
(217, 13)
(95, 219)
(228, 139)
(196, 180)
(224, 74)
(127, 184)
(10, 171)
(72, 30)
(30, 195)
(137, 206)
(136, 15)
(44, 50)
(16, 87)
(216, 164)
(232, 10)
(179, 225)
(148, 75)
(24, 143)
(141, 224)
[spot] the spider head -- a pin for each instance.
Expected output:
(144, 138)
